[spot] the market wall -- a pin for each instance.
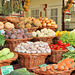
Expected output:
(52, 4)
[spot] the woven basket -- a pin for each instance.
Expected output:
(8, 62)
(29, 29)
(54, 29)
(12, 43)
(44, 39)
(3, 20)
(31, 61)
(37, 70)
(56, 55)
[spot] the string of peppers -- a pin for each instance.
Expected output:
(27, 3)
(68, 6)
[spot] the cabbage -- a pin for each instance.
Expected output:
(10, 55)
(5, 51)
(3, 58)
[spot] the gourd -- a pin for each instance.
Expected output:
(1, 25)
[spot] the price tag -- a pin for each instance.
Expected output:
(70, 48)
(6, 69)
(43, 65)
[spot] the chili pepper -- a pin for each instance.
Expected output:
(61, 43)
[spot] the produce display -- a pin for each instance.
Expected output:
(7, 25)
(65, 65)
(21, 71)
(68, 38)
(47, 22)
(59, 46)
(17, 34)
(6, 54)
(43, 33)
(70, 54)
(2, 40)
(33, 48)
(59, 33)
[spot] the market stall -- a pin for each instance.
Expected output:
(36, 46)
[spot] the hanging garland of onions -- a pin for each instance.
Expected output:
(68, 5)
(27, 3)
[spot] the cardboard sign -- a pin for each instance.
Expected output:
(70, 48)
(6, 69)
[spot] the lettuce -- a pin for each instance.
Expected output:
(3, 58)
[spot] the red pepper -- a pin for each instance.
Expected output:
(52, 46)
(66, 45)
(61, 43)
(60, 48)
(56, 45)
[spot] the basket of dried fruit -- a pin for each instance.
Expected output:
(33, 54)
(63, 68)
(16, 36)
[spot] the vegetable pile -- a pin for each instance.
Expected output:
(2, 40)
(6, 54)
(59, 46)
(44, 33)
(21, 71)
(59, 33)
(70, 54)
(33, 48)
(69, 38)
(17, 34)
(64, 65)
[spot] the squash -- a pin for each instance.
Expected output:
(1, 25)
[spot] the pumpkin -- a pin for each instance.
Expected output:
(1, 25)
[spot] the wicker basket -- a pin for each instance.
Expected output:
(3, 20)
(37, 70)
(12, 43)
(8, 62)
(31, 61)
(54, 29)
(29, 29)
(56, 55)
(44, 39)
(32, 29)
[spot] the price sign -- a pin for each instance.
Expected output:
(70, 48)
(6, 69)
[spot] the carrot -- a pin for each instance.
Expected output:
(66, 68)
(48, 67)
(73, 64)
(43, 69)
(55, 66)
(60, 67)
(71, 60)
(70, 66)
(52, 69)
